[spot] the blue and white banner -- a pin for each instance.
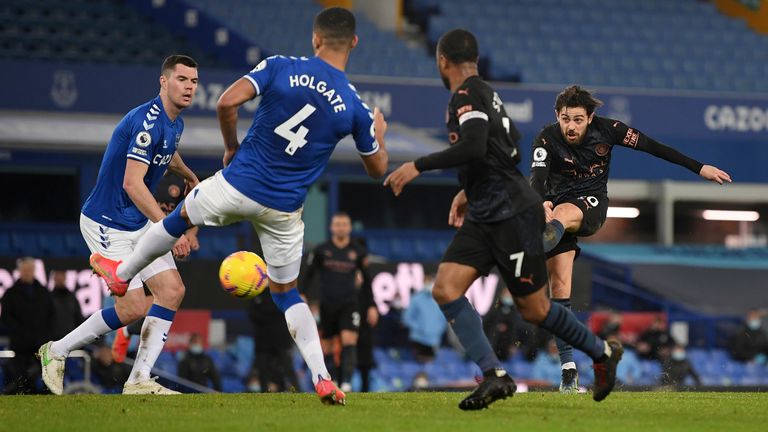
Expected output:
(720, 129)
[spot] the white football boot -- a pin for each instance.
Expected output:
(149, 386)
(53, 369)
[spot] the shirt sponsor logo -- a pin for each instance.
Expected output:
(631, 138)
(162, 159)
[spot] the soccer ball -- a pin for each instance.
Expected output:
(243, 274)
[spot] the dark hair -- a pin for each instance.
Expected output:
(171, 61)
(336, 25)
(341, 214)
(458, 46)
(575, 96)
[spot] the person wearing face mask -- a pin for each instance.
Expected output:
(750, 342)
(571, 160)
(677, 368)
(197, 366)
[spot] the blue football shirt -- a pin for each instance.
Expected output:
(147, 135)
(307, 107)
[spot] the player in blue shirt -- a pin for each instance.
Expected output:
(307, 107)
(119, 211)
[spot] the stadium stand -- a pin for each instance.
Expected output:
(83, 31)
(286, 28)
(685, 44)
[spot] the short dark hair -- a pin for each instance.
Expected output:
(576, 96)
(341, 213)
(171, 61)
(336, 25)
(458, 46)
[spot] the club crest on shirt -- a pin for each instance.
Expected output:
(602, 149)
(352, 255)
(143, 139)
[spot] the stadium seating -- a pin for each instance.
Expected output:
(685, 44)
(285, 27)
(82, 31)
(408, 245)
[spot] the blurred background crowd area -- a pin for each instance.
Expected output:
(680, 265)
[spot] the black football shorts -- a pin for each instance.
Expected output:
(335, 317)
(595, 210)
(514, 245)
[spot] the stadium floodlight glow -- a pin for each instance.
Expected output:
(623, 212)
(730, 215)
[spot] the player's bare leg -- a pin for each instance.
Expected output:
(565, 217)
(537, 309)
(303, 330)
(560, 269)
(452, 282)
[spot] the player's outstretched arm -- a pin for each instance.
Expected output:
(629, 137)
(226, 110)
(376, 164)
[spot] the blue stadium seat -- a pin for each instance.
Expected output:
(167, 362)
(25, 243)
(662, 32)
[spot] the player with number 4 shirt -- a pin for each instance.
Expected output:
(307, 106)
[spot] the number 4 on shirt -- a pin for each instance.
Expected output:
(296, 140)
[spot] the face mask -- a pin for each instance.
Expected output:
(678, 355)
(754, 324)
(507, 301)
(254, 388)
(421, 383)
(196, 349)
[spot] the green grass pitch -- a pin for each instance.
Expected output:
(422, 412)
